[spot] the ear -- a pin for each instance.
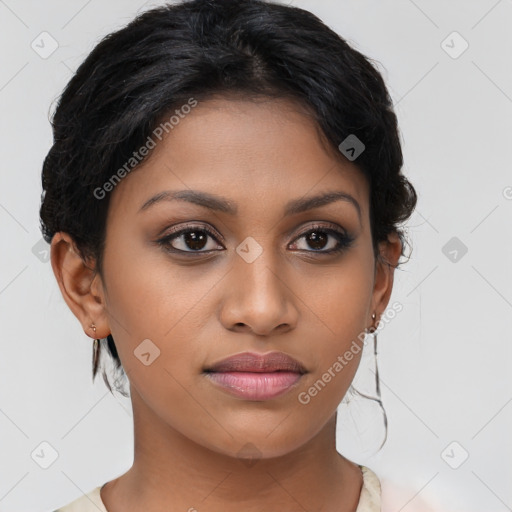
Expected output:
(80, 285)
(390, 251)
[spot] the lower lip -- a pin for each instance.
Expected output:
(253, 385)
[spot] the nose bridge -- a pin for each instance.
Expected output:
(258, 296)
(257, 268)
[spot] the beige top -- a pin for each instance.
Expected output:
(369, 499)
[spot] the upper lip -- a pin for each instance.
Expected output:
(252, 362)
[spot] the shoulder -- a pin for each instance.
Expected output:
(90, 502)
(396, 495)
(385, 494)
(369, 500)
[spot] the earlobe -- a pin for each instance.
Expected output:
(79, 285)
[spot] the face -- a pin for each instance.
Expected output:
(244, 265)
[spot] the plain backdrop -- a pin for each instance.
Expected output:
(444, 359)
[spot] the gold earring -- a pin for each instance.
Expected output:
(373, 328)
(95, 352)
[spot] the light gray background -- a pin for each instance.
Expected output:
(444, 360)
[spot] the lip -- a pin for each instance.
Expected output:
(256, 376)
(253, 362)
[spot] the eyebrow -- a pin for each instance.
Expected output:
(221, 204)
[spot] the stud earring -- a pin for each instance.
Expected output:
(373, 328)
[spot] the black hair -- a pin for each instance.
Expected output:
(137, 75)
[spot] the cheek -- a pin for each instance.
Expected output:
(339, 295)
(338, 357)
(339, 298)
(157, 312)
(150, 297)
(147, 293)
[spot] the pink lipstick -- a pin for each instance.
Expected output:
(256, 376)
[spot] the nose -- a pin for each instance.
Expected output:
(258, 297)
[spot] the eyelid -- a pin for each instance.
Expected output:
(174, 230)
(318, 225)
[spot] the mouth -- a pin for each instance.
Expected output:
(256, 377)
(258, 363)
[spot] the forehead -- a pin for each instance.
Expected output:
(257, 152)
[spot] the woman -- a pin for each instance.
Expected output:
(223, 200)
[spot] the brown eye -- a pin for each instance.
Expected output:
(324, 240)
(191, 239)
(317, 239)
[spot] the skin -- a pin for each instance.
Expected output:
(201, 309)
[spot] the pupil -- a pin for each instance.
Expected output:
(195, 240)
(315, 238)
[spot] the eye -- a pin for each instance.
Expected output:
(194, 239)
(317, 237)
(191, 239)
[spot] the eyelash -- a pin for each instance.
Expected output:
(344, 240)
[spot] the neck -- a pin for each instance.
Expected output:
(171, 472)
